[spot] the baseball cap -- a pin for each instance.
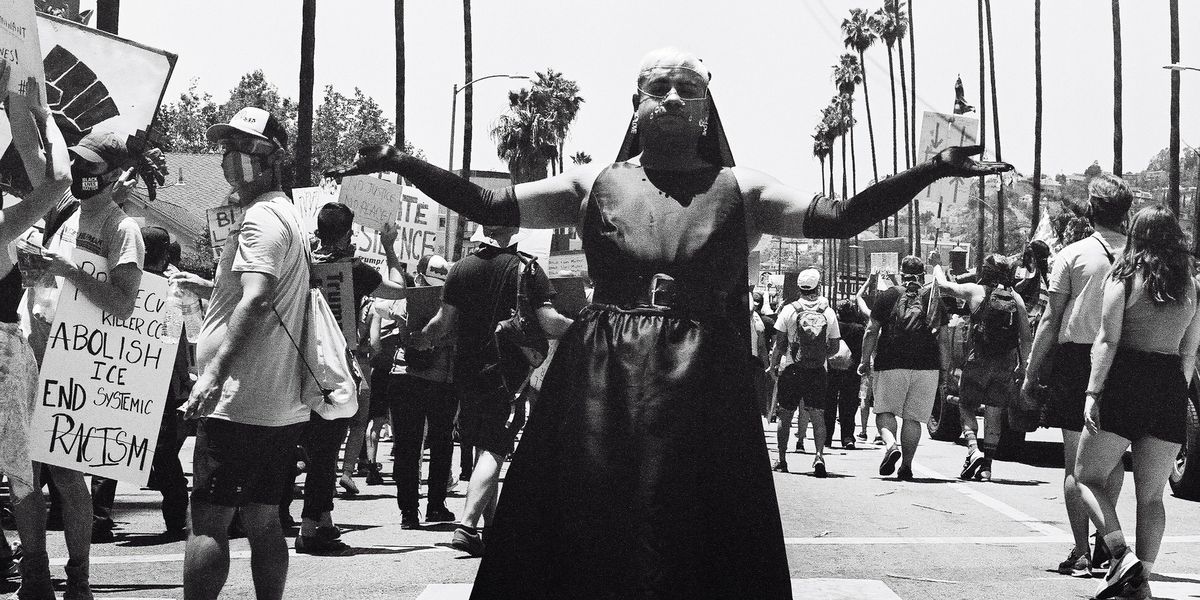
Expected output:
(103, 147)
(433, 266)
(808, 279)
(252, 121)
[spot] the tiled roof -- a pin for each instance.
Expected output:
(194, 185)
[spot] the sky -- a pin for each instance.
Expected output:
(771, 62)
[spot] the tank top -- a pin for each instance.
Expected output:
(1151, 327)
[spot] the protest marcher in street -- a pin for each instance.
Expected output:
(1143, 361)
(166, 472)
(901, 355)
(422, 400)
(806, 334)
(999, 329)
(1068, 328)
(844, 381)
(248, 394)
(690, 510)
(489, 374)
(322, 438)
(49, 171)
(1033, 280)
(864, 299)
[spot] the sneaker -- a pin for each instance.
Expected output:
(410, 519)
(470, 542)
(77, 583)
(437, 514)
(35, 578)
(848, 444)
(1076, 565)
(1137, 589)
(1120, 572)
(326, 542)
(819, 466)
(800, 446)
(174, 534)
(829, 443)
(878, 440)
(971, 465)
(375, 474)
(349, 488)
(862, 437)
(102, 534)
(1100, 554)
(985, 470)
(780, 467)
(890, 458)
(904, 473)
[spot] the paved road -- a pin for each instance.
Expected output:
(853, 535)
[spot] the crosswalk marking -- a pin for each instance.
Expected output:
(992, 503)
(809, 589)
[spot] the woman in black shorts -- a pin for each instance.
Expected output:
(1137, 392)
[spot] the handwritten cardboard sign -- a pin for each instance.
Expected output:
(222, 221)
(104, 381)
(373, 200)
(309, 202)
(336, 282)
(20, 45)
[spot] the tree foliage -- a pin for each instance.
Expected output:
(530, 135)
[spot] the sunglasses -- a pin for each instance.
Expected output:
(246, 145)
(687, 83)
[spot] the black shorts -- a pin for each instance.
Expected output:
(988, 381)
(483, 419)
(237, 464)
(382, 389)
(1145, 395)
(1068, 381)
(803, 387)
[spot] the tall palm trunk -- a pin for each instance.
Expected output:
(995, 129)
(1037, 114)
(1173, 158)
(853, 161)
(302, 176)
(912, 72)
(823, 188)
(871, 135)
(980, 231)
(845, 183)
(832, 188)
(468, 121)
(907, 140)
(1118, 127)
(895, 130)
(399, 22)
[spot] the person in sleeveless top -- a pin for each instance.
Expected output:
(49, 176)
(1143, 361)
(642, 472)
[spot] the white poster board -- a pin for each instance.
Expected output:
(20, 45)
(310, 200)
(575, 262)
(336, 282)
(223, 221)
(103, 382)
(938, 132)
(373, 200)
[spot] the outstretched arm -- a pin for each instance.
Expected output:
(545, 204)
(778, 209)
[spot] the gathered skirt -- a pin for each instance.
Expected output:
(642, 473)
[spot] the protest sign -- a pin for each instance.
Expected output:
(309, 202)
(938, 132)
(222, 221)
(336, 282)
(20, 45)
(573, 261)
(94, 80)
(417, 233)
(373, 200)
(423, 304)
(103, 382)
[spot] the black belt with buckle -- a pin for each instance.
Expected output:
(661, 292)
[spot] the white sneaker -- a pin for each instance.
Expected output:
(1120, 572)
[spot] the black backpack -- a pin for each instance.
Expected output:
(909, 322)
(994, 327)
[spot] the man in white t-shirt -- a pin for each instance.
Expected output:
(248, 394)
(807, 334)
(1069, 326)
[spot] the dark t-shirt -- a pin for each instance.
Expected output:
(365, 278)
(918, 351)
(852, 334)
(483, 287)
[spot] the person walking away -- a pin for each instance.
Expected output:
(1143, 361)
(998, 342)
(901, 355)
(1069, 327)
(806, 334)
(248, 394)
(480, 291)
(49, 171)
(844, 381)
(1033, 280)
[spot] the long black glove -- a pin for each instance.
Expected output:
(481, 205)
(842, 219)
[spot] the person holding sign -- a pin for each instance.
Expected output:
(44, 154)
(248, 394)
(643, 471)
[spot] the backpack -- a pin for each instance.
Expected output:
(994, 328)
(909, 320)
(521, 329)
(808, 336)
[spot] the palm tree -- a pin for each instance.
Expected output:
(842, 110)
(821, 150)
(581, 158)
(1173, 158)
(1037, 114)
(912, 68)
(525, 137)
(847, 74)
(1118, 128)
(468, 121)
(302, 176)
(562, 103)
(886, 29)
(995, 129)
(399, 22)
(859, 30)
(980, 231)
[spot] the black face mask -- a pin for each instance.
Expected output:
(86, 186)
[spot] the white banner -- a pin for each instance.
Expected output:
(103, 382)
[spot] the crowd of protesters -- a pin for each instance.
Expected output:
(1115, 302)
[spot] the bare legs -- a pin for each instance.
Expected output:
(483, 489)
(1110, 490)
(206, 560)
(910, 435)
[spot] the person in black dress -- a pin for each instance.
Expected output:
(642, 472)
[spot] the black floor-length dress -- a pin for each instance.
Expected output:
(642, 472)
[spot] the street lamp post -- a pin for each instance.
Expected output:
(454, 243)
(1196, 202)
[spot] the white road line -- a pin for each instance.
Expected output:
(809, 589)
(1032, 523)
